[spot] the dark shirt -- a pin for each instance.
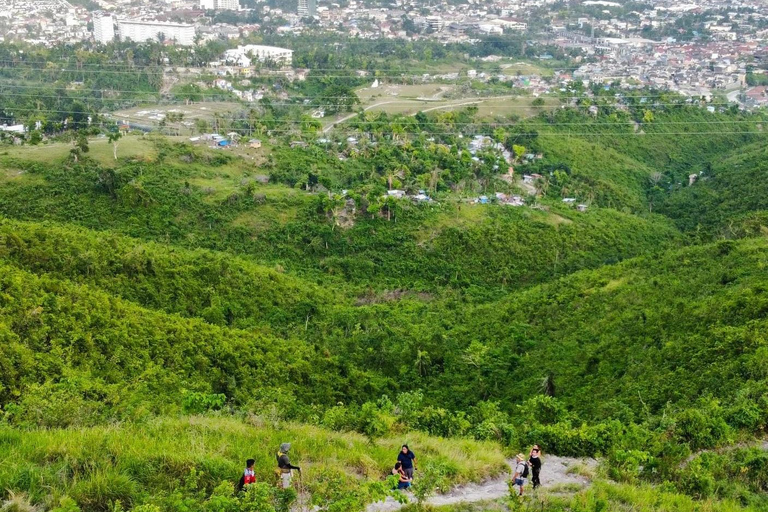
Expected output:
(535, 462)
(283, 462)
(406, 459)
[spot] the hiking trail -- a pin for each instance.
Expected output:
(554, 472)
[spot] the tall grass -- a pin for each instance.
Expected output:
(138, 463)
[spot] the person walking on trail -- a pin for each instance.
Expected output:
(403, 481)
(249, 475)
(408, 459)
(521, 473)
(534, 460)
(284, 466)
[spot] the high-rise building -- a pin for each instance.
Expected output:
(307, 8)
(103, 28)
(135, 30)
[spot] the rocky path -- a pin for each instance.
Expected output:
(554, 471)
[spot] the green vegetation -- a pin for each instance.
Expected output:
(610, 497)
(166, 314)
(728, 198)
(191, 464)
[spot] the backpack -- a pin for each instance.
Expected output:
(525, 472)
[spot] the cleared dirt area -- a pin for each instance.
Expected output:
(151, 116)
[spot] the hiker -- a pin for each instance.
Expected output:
(403, 481)
(408, 459)
(284, 466)
(248, 477)
(521, 472)
(534, 460)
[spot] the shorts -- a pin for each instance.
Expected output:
(403, 485)
(520, 481)
(408, 472)
(285, 479)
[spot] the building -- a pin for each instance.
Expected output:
(103, 28)
(220, 5)
(244, 55)
(307, 8)
(435, 23)
(226, 5)
(136, 30)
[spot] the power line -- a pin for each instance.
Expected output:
(31, 110)
(203, 92)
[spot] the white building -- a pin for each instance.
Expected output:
(103, 28)
(136, 30)
(307, 8)
(243, 55)
(220, 5)
(227, 5)
(435, 23)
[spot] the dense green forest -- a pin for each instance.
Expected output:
(213, 304)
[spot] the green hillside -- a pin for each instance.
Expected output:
(729, 199)
(75, 355)
(168, 314)
(274, 226)
(217, 287)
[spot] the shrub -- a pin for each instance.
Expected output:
(703, 427)
(196, 403)
(696, 480)
(67, 504)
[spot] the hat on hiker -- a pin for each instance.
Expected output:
(520, 456)
(285, 447)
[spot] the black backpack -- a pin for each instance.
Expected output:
(525, 472)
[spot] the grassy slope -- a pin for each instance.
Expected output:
(152, 461)
(609, 497)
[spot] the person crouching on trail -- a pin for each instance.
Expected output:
(284, 466)
(521, 472)
(403, 481)
(249, 475)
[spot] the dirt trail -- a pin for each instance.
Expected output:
(554, 471)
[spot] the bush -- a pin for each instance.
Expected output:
(696, 480)
(703, 427)
(197, 403)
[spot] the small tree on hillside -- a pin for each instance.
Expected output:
(114, 137)
(81, 146)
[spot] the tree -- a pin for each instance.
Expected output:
(202, 126)
(519, 151)
(113, 138)
(81, 146)
(648, 116)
